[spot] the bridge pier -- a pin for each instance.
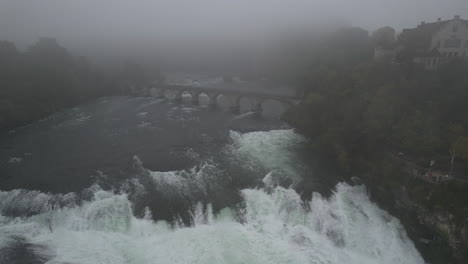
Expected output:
(178, 97)
(236, 106)
(257, 107)
(195, 98)
(235, 109)
(146, 91)
(213, 104)
(161, 93)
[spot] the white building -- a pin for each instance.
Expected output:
(436, 43)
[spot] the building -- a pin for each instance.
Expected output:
(435, 43)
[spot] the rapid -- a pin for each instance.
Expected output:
(142, 180)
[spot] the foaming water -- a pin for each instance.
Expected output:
(186, 182)
(273, 227)
(198, 180)
(274, 150)
(267, 222)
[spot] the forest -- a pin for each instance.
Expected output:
(356, 107)
(47, 78)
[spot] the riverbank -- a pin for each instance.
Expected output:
(434, 215)
(362, 116)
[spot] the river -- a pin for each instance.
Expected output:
(145, 180)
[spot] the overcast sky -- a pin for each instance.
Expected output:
(82, 21)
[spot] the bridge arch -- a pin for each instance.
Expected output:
(200, 98)
(241, 100)
(237, 100)
(257, 103)
(185, 96)
(213, 102)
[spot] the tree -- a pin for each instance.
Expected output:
(8, 51)
(384, 37)
(349, 45)
(460, 148)
(42, 80)
(133, 76)
(48, 52)
(9, 59)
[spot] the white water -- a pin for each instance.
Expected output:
(187, 182)
(275, 226)
(272, 151)
(278, 228)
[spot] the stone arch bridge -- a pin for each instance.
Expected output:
(257, 98)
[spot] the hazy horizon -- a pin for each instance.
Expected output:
(184, 31)
(88, 22)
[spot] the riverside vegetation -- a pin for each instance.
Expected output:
(370, 116)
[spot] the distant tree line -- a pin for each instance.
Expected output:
(42, 80)
(355, 107)
(46, 78)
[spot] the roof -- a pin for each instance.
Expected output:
(419, 39)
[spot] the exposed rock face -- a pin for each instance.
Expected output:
(446, 228)
(443, 223)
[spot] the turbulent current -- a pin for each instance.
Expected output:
(233, 199)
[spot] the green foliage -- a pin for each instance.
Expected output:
(384, 37)
(314, 99)
(419, 133)
(374, 107)
(460, 148)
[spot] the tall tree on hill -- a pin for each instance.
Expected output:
(384, 37)
(347, 46)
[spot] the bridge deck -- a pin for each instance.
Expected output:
(238, 92)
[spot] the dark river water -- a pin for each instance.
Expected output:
(145, 180)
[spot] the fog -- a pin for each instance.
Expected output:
(201, 27)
